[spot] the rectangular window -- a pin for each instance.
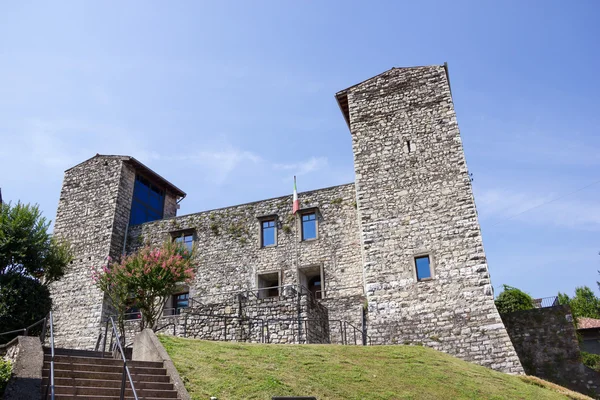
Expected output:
(131, 310)
(309, 226)
(267, 233)
(148, 202)
(186, 239)
(268, 285)
(423, 267)
(181, 301)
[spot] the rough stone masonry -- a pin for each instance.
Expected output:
(396, 255)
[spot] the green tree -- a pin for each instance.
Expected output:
(30, 259)
(583, 304)
(146, 278)
(23, 301)
(512, 299)
(27, 248)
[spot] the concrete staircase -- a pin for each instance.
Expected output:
(80, 374)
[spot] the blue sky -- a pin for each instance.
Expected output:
(228, 100)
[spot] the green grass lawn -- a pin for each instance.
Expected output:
(253, 371)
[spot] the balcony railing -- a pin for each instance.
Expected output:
(546, 302)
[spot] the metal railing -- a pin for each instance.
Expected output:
(26, 330)
(50, 384)
(546, 302)
(220, 306)
(329, 292)
(117, 345)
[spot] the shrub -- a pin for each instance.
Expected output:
(513, 299)
(23, 301)
(5, 371)
(146, 279)
(591, 360)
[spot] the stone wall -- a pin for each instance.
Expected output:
(86, 216)
(229, 255)
(546, 341)
(289, 318)
(414, 197)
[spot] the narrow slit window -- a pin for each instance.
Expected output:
(423, 266)
(408, 146)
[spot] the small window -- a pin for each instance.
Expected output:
(267, 236)
(180, 301)
(309, 226)
(423, 267)
(268, 285)
(185, 238)
(131, 310)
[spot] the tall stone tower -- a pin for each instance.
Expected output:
(94, 212)
(425, 273)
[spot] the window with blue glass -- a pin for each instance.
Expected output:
(148, 202)
(268, 236)
(309, 226)
(180, 301)
(423, 265)
(186, 239)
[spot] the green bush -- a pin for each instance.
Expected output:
(513, 299)
(5, 370)
(591, 360)
(23, 301)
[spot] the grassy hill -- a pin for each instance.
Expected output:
(252, 371)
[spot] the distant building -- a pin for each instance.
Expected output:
(394, 258)
(589, 332)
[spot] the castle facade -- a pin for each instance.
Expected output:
(394, 258)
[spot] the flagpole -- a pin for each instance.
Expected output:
(295, 207)
(295, 222)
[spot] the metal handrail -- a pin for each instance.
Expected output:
(24, 330)
(50, 384)
(361, 332)
(126, 372)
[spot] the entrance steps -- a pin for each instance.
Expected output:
(81, 374)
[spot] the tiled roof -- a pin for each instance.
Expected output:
(587, 323)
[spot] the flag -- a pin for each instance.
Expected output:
(296, 205)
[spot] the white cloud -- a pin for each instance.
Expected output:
(500, 206)
(312, 164)
(218, 164)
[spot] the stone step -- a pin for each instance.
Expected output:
(77, 353)
(68, 366)
(106, 383)
(101, 361)
(87, 374)
(88, 391)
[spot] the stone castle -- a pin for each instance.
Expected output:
(394, 258)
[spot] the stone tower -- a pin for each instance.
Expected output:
(425, 273)
(94, 215)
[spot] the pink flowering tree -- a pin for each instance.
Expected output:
(110, 279)
(146, 278)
